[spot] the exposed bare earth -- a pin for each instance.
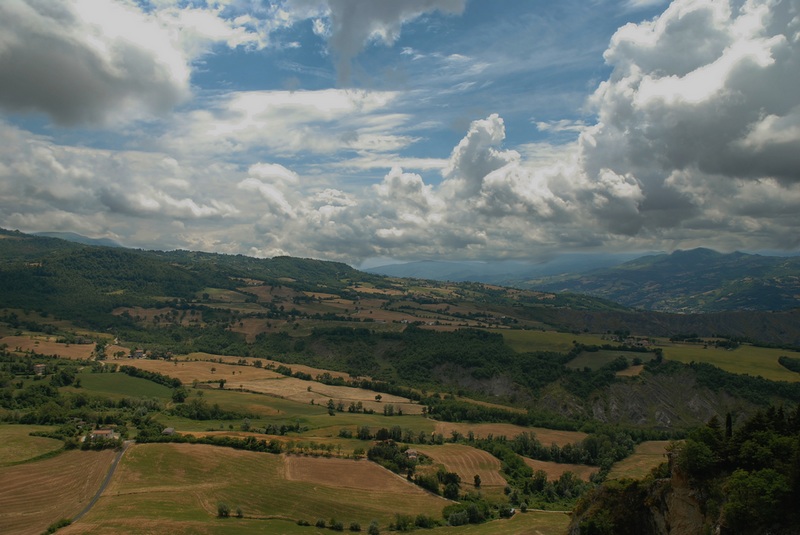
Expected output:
(545, 436)
(34, 495)
(555, 470)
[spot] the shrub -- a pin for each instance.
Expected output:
(223, 511)
(320, 523)
(459, 518)
(355, 526)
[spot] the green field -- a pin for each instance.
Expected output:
(119, 385)
(597, 359)
(526, 341)
(16, 444)
(746, 359)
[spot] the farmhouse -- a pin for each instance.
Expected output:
(103, 434)
(39, 369)
(168, 431)
(412, 455)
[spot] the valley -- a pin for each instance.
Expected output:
(296, 396)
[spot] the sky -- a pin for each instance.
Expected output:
(370, 131)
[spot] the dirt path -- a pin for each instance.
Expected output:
(114, 463)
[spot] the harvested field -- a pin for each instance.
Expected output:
(46, 345)
(16, 444)
(631, 371)
(251, 327)
(545, 436)
(345, 474)
(189, 371)
(377, 291)
(36, 494)
(554, 470)
(313, 372)
(467, 462)
(645, 457)
(183, 483)
(298, 390)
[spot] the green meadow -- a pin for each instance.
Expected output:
(526, 341)
(746, 359)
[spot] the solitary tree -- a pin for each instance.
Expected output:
(477, 481)
(223, 511)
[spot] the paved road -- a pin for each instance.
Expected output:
(125, 446)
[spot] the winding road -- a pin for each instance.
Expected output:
(114, 463)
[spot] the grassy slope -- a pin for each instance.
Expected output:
(119, 385)
(16, 444)
(185, 483)
(646, 456)
(746, 359)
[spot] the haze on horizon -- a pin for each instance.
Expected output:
(357, 130)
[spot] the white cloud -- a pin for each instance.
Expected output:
(82, 61)
(700, 101)
(696, 140)
(291, 122)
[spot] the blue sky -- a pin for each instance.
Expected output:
(357, 130)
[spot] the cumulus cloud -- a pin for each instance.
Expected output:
(84, 61)
(87, 62)
(696, 142)
(707, 85)
(701, 105)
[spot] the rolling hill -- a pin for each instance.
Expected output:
(698, 280)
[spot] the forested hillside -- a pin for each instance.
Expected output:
(728, 478)
(699, 280)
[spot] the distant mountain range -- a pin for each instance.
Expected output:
(508, 272)
(694, 281)
(78, 238)
(698, 280)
